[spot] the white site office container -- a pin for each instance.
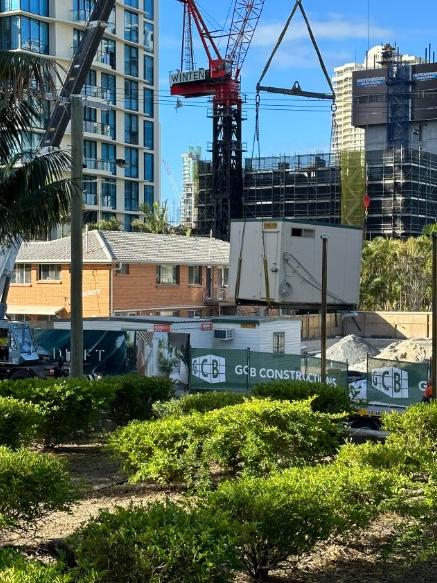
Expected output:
(287, 256)
(257, 333)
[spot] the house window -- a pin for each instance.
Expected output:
(148, 8)
(131, 95)
(109, 193)
(278, 342)
(49, 272)
(131, 3)
(131, 61)
(131, 157)
(149, 195)
(131, 192)
(131, 26)
(195, 275)
(22, 274)
(148, 69)
(109, 87)
(167, 274)
(108, 157)
(148, 102)
(148, 37)
(148, 167)
(148, 135)
(131, 128)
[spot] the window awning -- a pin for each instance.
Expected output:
(34, 310)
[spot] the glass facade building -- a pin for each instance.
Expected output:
(121, 145)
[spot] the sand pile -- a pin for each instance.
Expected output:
(351, 349)
(407, 350)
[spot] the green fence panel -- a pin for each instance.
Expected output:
(242, 369)
(394, 382)
(336, 372)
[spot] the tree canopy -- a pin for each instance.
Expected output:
(34, 191)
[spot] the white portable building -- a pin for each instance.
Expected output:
(280, 262)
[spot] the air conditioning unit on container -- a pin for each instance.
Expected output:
(224, 333)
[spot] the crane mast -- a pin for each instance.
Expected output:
(221, 81)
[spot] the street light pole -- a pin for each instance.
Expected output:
(324, 306)
(76, 369)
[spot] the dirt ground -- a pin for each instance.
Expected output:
(103, 486)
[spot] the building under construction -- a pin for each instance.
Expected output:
(331, 188)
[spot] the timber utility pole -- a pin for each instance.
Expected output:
(69, 105)
(76, 300)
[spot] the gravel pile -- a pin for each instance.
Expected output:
(407, 350)
(351, 349)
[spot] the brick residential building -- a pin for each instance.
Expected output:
(124, 274)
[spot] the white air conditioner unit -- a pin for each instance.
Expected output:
(224, 333)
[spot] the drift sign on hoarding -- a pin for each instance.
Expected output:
(239, 369)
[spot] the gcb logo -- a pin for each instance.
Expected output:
(209, 368)
(391, 381)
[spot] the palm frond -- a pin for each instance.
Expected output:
(34, 196)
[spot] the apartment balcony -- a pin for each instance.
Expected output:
(83, 16)
(94, 127)
(98, 93)
(100, 165)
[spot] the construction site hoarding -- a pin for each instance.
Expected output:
(240, 370)
(396, 382)
(278, 262)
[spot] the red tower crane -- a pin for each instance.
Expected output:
(220, 80)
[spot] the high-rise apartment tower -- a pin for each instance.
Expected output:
(124, 74)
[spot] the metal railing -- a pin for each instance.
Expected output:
(83, 15)
(94, 127)
(99, 164)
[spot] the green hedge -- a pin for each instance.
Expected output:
(255, 437)
(288, 513)
(31, 485)
(19, 422)
(163, 543)
(328, 399)
(200, 402)
(14, 568)
(72, 408)
(135, 396)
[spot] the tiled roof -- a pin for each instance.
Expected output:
(109, 246)
(58, 250)
(149, 248)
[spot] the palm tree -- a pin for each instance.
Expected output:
(34, 193)
(155, 220)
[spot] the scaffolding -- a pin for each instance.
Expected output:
(401, 186)
(303, 187)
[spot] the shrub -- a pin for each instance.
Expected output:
(159, 544)
(31, 485)
(70, 407)
(255, 437)
(134, 396)
(328, 399)
(19, 422)
(200, 402)
(14, 568)
(287, 513)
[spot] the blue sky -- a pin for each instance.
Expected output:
(287, 125)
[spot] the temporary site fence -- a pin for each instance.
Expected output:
(242, 369)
